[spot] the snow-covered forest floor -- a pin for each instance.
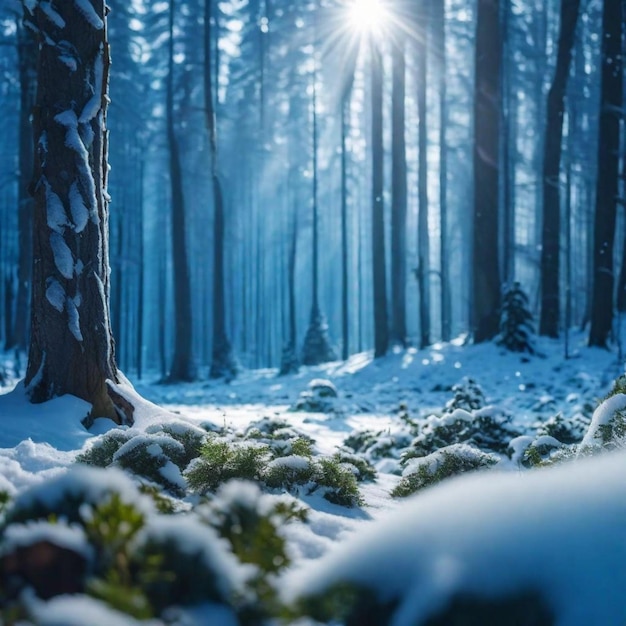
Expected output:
(396, 424)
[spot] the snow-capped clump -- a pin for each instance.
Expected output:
(89, 13)
(78, 610)
(63, 258)
(55, 294)
(94, 104)
(70, 537)
(48, 10)
(80, 213)
(556, 534)
(73, 318)
(56, 217)
(320, 397)
(608, 423)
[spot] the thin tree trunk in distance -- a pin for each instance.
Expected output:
(222, 361)
(551, 231)
(182, 368)
(423, 235)
(399, 192)
(381, 322)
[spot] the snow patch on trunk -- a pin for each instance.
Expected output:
(86, 9)
(63, 258)
(55, 294)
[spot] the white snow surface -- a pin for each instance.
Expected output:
(558, 528)
(559, 531)
(601, 417)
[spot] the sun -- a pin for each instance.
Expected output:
(368, 16)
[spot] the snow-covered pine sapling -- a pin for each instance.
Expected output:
(517, 332)
(317, 348)
(468, 395)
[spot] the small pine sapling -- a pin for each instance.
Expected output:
(516, 322)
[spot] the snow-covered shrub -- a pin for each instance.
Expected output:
(193, 565)
(362, 469)
(289, 472)
(376, 445)
(444, 463)
(320, 397)
(317, 348)
(468, 395)
(221, 460)
(158, 458)
(566, 430)
(189, 436)
(103, 449)
(338, 484)
(488, 429)
(516, 321)
(608, 424)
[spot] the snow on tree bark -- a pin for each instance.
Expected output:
(71, 349)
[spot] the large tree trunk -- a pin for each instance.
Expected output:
(607, 186)
(381, 323)
(486, 272)
(71, 348)
(399, 193)
(551, 232)
(182, 368)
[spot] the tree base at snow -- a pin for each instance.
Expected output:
(317, 349)
(223, 363)
(289, 363)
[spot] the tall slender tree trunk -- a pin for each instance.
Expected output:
(607, 186)
(71, 347)
(182, 368)
(345, 313)
(222, 362)
(439, 49)
(27, 60)
(399, 192)
(423, 235)
(486, 271)
(381, 321)
(551, 231)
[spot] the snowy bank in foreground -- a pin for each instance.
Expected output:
(550, 542)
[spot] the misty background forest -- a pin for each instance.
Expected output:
(387, 172)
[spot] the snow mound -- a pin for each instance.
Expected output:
(557, 531)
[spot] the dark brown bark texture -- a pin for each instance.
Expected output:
(486, 272)
(607, 185)
(551, 231)
(71, 348)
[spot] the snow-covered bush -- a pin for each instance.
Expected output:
(102, 451)
(516, 321)
(90, 532)
(221, 460)
(376, 445)
(608, 423)
(320, 397)
(488, 429)
(444, 463)
(362, 469)
(567, 431)
(468, 395)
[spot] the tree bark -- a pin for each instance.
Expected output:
(182, 368)
(486, 271)
(551, 231)
(399, 192)
(607, 184)
(381, 322)
(71, 347)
